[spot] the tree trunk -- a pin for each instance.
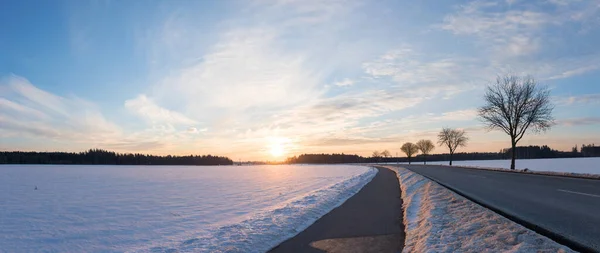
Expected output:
(424, 159)
(513, 155)
(409, 160)
(451, 153)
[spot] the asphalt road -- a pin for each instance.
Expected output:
(369, 221)
(569, 207)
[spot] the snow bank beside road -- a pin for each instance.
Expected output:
(438, 220)
(577, 167)
(547, 173)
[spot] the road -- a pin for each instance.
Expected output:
(369, 221)
(568, 207)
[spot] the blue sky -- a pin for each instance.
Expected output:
(245, 78)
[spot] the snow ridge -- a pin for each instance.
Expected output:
(439, 220)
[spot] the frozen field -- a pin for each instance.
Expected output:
(572, 165)
(164, 208)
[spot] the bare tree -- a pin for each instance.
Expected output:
(452, 138)
(386, 153)
(515, 104)
(409, 149)
(426, 146)
(376, 155)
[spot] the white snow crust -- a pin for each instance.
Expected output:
(438, 220)
(583, 166)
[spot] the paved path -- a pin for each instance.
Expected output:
(370, 221)
(568, 207)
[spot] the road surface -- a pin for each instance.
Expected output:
(566, 209)
(370, 221)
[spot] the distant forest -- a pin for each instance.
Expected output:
(99, 156)
(525, 152)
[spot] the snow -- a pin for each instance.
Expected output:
(588, 165)
(166, 208)
(438, 220)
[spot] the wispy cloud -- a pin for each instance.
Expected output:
(584, 121)
(576, 71)
(38, 113)
(505, 31)
(148, 110)
(345, 82)
(581, 99)
(428, 73)
(516, 29)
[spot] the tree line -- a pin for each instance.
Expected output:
(99, 156)
(521, 152)
(328, 158)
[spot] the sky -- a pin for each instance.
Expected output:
(264, 80)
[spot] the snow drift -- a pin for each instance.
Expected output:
(586, 167)
(439, 220)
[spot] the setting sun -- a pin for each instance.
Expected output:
(277, 150)
(278, 146)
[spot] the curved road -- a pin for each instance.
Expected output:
(568, 207)
(369, 221)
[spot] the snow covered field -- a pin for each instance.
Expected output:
(166, 208)
(572, 165)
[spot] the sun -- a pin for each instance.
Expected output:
(278, 146)
(277, 150)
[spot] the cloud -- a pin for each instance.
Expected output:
(468, 114)
(522, 36)
(29, 111)
(523, 28)
(505, 31)
(305, 12)
(585, 121)
(576, 71)
(149, 110)
(428, 73)
(246, 69)
(194, 130)
(343, 83)
(581, 99)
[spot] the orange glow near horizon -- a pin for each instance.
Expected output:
(278, 147)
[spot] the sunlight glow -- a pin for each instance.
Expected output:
(277, 150)
(278, 146)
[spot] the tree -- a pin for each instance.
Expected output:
(425, 146)
(376, 155)
(515, 104)
(453, 139)
(386, 153)
(409, 149)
